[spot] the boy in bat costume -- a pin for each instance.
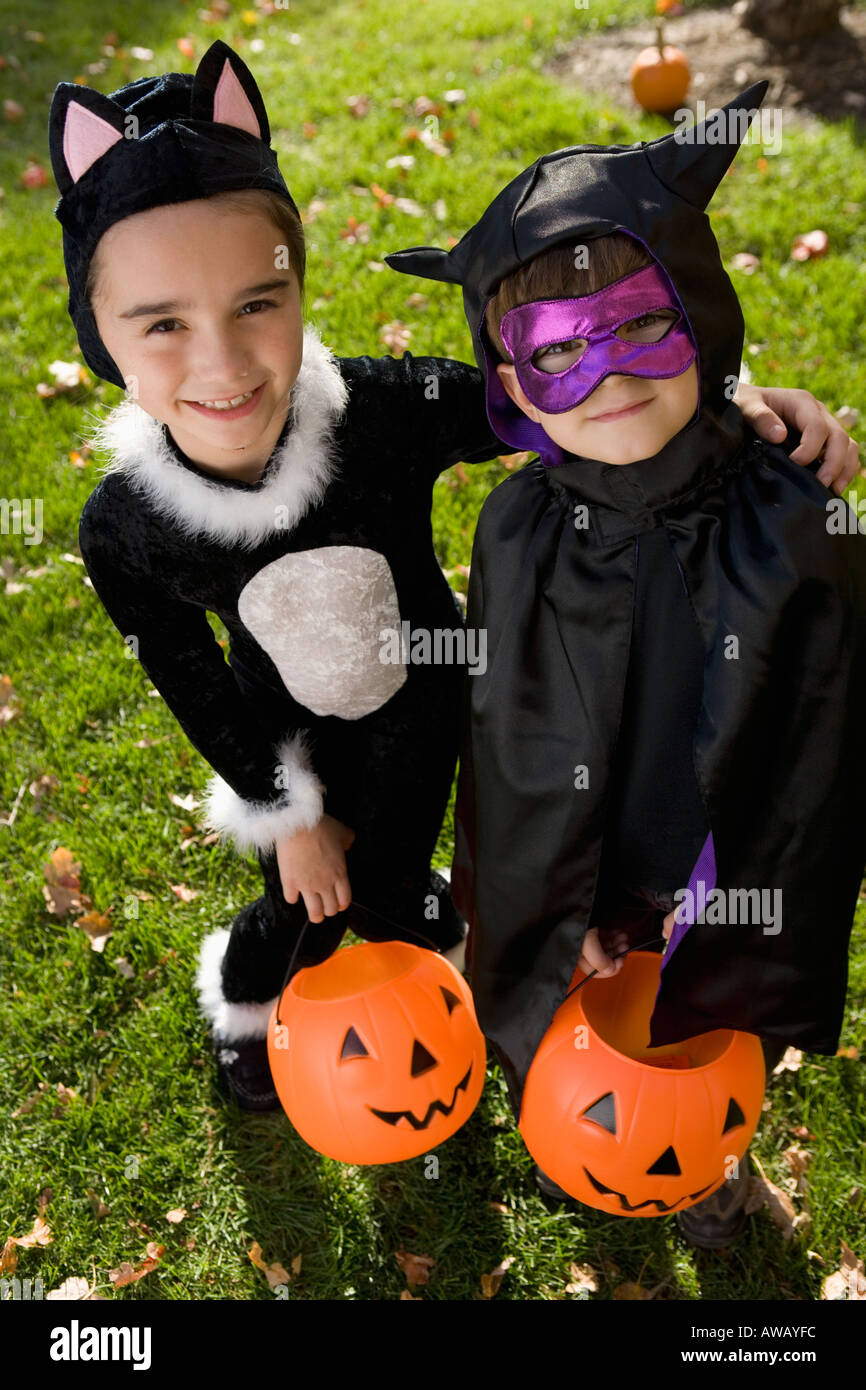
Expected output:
(676, 629)
(256, 476)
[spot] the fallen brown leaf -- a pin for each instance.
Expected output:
(98, 927)
(848, 1281)
(798, 1161)
(176, 1216)
(582, 1277)
(97, 1205)
(77, 1289)
(275, 1273)
(415, 1267)
(185, 894)
(129, 1274)
(492, 1282)
(791, 1061)
(40, 1234)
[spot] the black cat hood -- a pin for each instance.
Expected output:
(166, 139)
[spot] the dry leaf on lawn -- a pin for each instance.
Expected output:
(582, 1277)
(62, 887)
(492, 1282)
(849, 1280)
(76, 1289)
(798, 1161)
(631, 1292)
(185, 894)
(9, 1257)
(415, 1267)
(128, 1274)
(97, 1205)
(8, 708)
(40, 1234)
(790, 1062)
(762, 1191)
(407, 1297)
(275, 1273)
(98, 926)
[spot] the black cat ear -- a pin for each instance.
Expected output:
(82, 126)
(429, 262)
(694, 168)
(225, 90)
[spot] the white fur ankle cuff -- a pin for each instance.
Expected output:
(258, 825)
(230, 1022)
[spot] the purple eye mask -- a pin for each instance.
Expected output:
(595, 318)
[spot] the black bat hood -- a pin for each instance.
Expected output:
(655, 192)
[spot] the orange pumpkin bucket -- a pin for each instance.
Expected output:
(376, 1053)
(631, 1129)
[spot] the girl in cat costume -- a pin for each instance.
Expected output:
(309, 733)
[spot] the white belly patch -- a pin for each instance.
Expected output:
(318, 614)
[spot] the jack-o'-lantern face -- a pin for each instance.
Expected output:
(634, 1130)
(380, 1058)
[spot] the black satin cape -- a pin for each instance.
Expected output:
(778, 748)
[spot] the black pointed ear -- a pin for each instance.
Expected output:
(225, 90)
(82, 125)
(694, 168)
(428, 262)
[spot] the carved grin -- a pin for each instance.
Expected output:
(391, 1117)
(653, 1201)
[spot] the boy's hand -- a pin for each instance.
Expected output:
(593, 957)
(313, 863)
(766, 408)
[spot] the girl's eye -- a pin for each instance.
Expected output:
(267, 303)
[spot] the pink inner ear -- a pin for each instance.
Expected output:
(231, 105)
(86, 136)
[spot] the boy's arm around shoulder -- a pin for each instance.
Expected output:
(432, 409)
(259, 794)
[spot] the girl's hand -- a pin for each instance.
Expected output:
(593, 957)
(766, 407)
(313, 863)
(668, 925)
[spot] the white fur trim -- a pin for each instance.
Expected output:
(256, 825)
(230, 1022)
(199, 505)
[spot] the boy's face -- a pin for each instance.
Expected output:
(191, 307)
(611, 375)
(598, 428)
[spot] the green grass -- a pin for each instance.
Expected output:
(148, 1131)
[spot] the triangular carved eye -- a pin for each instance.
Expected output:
(603, 1113)
(734, 1116)
(666, 1163)
(451, 1000)
(352, 1046)
(421, 1059)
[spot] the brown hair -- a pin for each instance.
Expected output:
(552, 274)
(280, 212)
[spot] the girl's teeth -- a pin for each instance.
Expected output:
(226, 405)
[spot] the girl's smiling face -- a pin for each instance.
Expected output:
(194, 303)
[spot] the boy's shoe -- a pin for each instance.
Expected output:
(717, 1221)
(244, 1074)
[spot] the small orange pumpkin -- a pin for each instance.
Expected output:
(631, 1129)
(377, 1055)
(660, 76)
